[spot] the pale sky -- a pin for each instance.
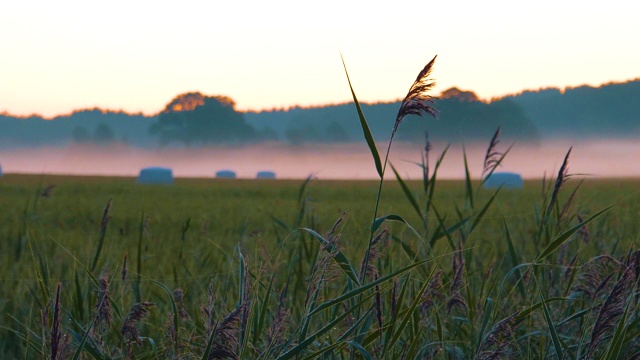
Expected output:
(57, 56)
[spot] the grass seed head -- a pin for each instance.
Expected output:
(493, 156)
(611, 310)
(103, 306)
(129, 330)
(418, 101)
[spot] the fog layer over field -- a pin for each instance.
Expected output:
(601, 158)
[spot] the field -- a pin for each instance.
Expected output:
(103, 268)
(211, 269)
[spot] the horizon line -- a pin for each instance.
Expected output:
(104, 110)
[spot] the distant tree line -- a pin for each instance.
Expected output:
(194, 119)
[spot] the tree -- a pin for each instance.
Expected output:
(193, 118)
(103, 134)
(80, 135)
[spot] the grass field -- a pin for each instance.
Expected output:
(472, 297)
(210, 269)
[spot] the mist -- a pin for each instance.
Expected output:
(593, 158)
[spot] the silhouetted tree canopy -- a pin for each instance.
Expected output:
(193, 118)
(103, 134)
(463, 117)
(80, 135)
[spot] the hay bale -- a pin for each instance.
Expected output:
(266, 174)
(0, 170)
(507, 180)
(155, 175)
(226, 174)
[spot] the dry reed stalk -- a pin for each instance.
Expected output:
(56, 344)
(103, 306)
(377, 305)
(207, 311)
(612, 309)
(563, 176)
(124, 269)
(493, 156)
(375, 252)
(178, 295)
(633, 260)
(425, 162)
(567, 204)
(280, 322)
(394, 298)
(583, 232)
(129, 331)
(323, 269)
(456, 300)
(46, 193)
(246, 304)
(105, 217)
(498, 341)
(433, 292)
(595, 274)
(225, 336)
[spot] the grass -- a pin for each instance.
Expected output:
(210, 269)
(54, 242)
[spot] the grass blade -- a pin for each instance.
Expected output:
(564, 237)
(467, 179)
(482, 212)
(514, 261)
(408, 194)
(174, 310)
(350, 294)
(405, 321)
(309, 340)
(618, 338)
(552, 328)
(365, 126)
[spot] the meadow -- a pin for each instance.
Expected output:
(196, 248)
(389, 269)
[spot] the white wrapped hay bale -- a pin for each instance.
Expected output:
(0, 170)
(266, 174)
(507, 180)
(226, 174)
(155, 175)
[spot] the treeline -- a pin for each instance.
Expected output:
(193, 119)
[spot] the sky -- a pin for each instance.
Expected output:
(59, 56)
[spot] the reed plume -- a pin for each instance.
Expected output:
(563, 176)
(56, 344)
(322, 270)
(433, 292)
(178, 295)
(103, 306)
(456, 300)
(207, 312)
(612, 309)
(497, 342)
(375, 252)
(280, 322)
(130, 333)
(225, 336)
(492, 157)
(595, 274)
(418, 101)
(124, 269)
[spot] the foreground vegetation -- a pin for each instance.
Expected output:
(195, 238)
(208, 269)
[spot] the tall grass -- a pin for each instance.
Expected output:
(452, 271)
